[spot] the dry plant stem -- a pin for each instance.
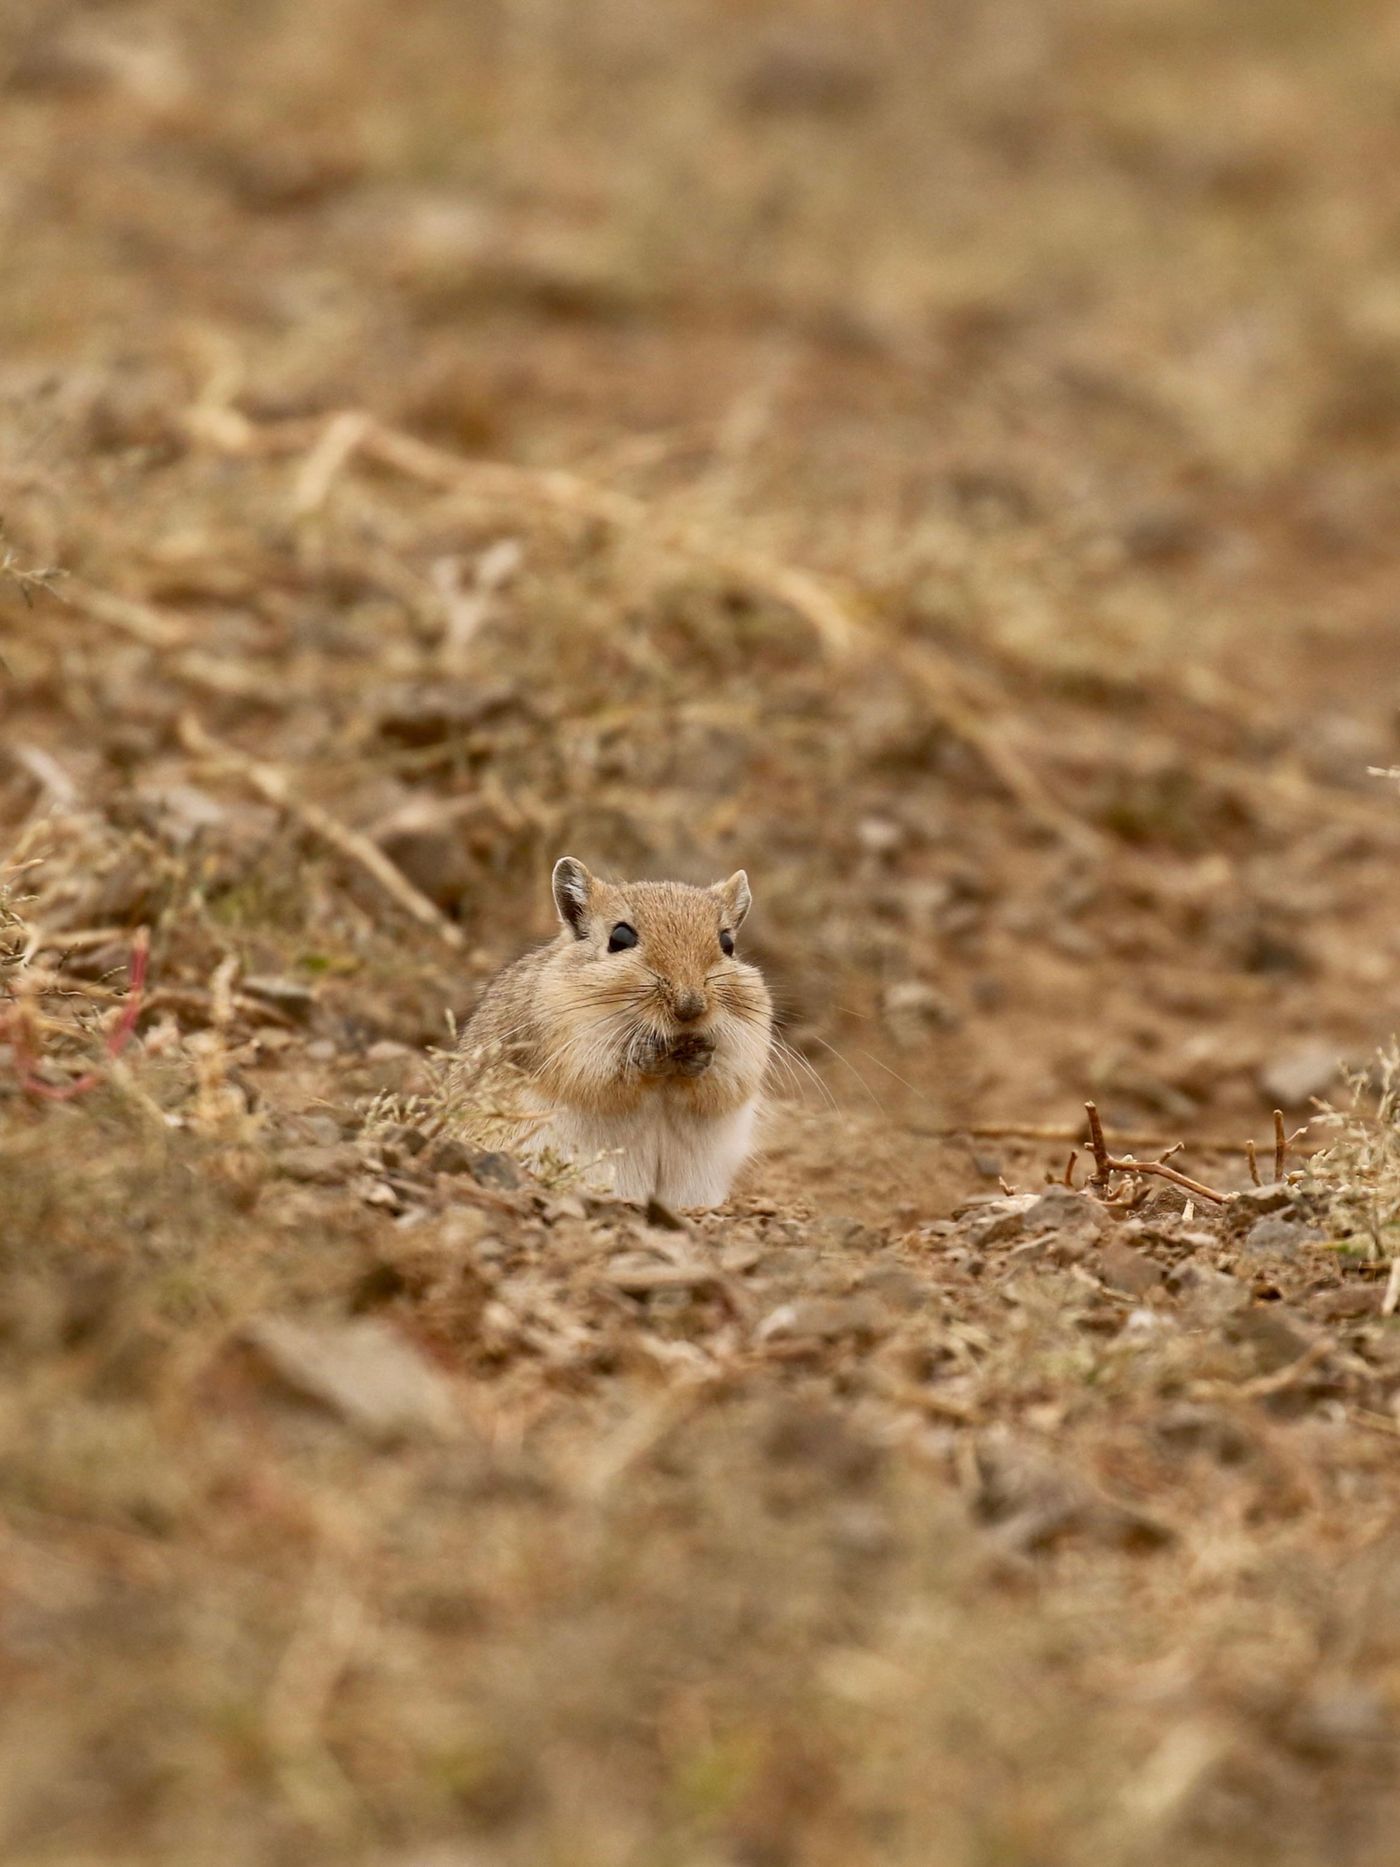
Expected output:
(1062, 1131)
(1283, 1378)
(1253, 1155)
(272, 784)
(335, 444)
(120, 1036)
(73, 940)
(1106, 1164)
(353, 432)
(142, 621)
(1128, 1165)
(1376, 1422)
(942, 685)
(1102, 1163)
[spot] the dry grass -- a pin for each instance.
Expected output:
(941, 459)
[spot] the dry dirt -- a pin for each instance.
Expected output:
(943, 459)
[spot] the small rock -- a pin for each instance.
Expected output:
(811, 1435)
(489, 1169)
(364, 1372)
(1291, 1079)
(1034, 1502)
(801, 78)
(986, 1205)
(1243, 1210)
(435, 858)
(837, 1231)
(184, 811)
(994, 1221)
(318, 1164)
(880, 836)
(1346, 1303)
(824, 1319)
(663, 1217)
(451, 1156)
(1196, 1428)
(324, 1130)
(1272, 1337)
(912, 1005)
(898, 1287)
(1330, 1724)
(569, 1206)
(862, 1530)
(1061, 1209)
(1280, 1235)
(1162, 1202)
(1126, 1269)
(1209, 1294)
(289, 996)
(427, 714)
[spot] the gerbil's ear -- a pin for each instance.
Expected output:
(573, 886)
(736, 897)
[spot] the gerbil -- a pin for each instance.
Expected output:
(637, 1040)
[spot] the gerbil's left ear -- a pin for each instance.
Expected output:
(736, 897)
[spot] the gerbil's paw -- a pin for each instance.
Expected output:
(690, 1055)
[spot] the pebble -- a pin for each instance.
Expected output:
(288, 996)
(318, 1163)
(1060, 1208)
(1293, 1077)
(1280, 1235)
(362, 1371)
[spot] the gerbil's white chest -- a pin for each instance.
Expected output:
(661, 1149)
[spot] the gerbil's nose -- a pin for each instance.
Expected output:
(689, 1005)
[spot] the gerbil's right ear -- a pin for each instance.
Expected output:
(573, 886)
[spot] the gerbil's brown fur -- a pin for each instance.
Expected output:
(643, 1065)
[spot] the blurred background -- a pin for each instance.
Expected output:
(1050, 352)
(942, 458)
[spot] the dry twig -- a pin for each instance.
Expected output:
(273, 784)
(1065, 1132)
(353, 433)
(142, 621)
(1106, 1164)
(117, 1039)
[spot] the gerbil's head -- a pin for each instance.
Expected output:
(645, 986)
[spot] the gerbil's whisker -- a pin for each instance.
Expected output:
(796, 1062)
(847, 1064)
(913, 1087)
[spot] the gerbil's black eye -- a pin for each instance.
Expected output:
(726, 941)
(621, 937)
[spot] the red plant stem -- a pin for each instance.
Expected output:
(117, 1038)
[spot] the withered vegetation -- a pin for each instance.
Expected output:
(942, 459)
